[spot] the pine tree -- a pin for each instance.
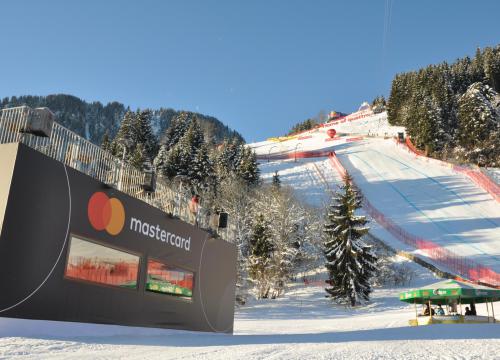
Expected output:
(143, 133)
(106, 142)
(139, 157)
(201, 170)
(350, 263)
(176, 162)
(248, 168)
(260, 269)
(176, 130)
(492, 67)
(189, 157)
(160, 160)
(305, 125)
(378, 104)
(479, 124)
(225, 164)
(276, 180)
(125, 138)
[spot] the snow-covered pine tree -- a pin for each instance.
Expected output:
(178, 160)
(237, 200)
(198, 138)
(479, 125)
(350, 262)
(260, 260)
(289, 232)
(139, 157)
(106, 142)
(378, 104)
(223, 160)
(176, 129)
(492, 67)
(248, 168)
(143, 133)
(125, 138)
(286, 215)
(201, 170)
(159, 161)
(429, 125)
(276, 180)
(308, 241)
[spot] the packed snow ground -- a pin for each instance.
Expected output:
(301, 325)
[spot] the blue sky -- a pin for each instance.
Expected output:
(259, 66)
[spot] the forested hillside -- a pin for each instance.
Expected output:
(92, 120)
(452, 111)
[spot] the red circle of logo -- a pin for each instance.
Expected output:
(106, 213)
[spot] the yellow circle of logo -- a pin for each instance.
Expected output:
(105, 213)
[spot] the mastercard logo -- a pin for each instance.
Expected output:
(106, 213)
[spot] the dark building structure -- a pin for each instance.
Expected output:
(74, 249)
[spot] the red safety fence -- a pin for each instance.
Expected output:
(462, 266)
(476, 176)
(305, 154)
(481, 180)
(334, 161)
(354, 139)
(317, 283)
(413, 148)
(295, 155)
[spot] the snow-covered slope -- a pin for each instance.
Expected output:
(312, 179)
(424, 198)
(427, 199)
(348, 129)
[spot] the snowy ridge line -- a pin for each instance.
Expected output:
(462, 266)
(476, 176)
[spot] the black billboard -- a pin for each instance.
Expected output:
(73, 249)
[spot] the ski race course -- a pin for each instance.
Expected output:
(417, 205)
(421, 205)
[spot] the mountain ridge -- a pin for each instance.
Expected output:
(92, 120)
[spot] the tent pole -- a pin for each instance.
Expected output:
(416, 312)
(430, 310)
(493, 311)
(460, 302)
(488, 310)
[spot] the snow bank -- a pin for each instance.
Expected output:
(301, 325)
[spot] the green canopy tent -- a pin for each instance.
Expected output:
(452, 291)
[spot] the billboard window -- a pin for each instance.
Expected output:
(170, 280)
(89, 261)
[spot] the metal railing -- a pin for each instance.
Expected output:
(71, 149)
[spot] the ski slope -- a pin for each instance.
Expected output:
(424, 198)
(427, 199)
